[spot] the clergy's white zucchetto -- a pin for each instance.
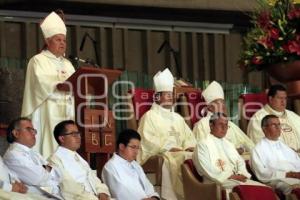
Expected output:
(53, 25)
(213, 91)
(163, 81)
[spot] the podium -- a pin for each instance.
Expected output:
(89, 86)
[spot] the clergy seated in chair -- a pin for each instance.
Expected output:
(214, 97)
(124, 177)
(217, 160)
(12, 188)
(78, 181)
(165, 133)
(290, 127)
(272, 161)
(29, 166)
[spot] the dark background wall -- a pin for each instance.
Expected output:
(127, 37)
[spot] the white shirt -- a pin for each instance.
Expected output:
(75, 166)
(28, 165)
(7, 177)
(126, 180)
(271, 160)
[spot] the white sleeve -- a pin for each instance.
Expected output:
(27, 171)
(262, 172)
(149, 189)
(117, 189)
(5, 186)
(204, 166)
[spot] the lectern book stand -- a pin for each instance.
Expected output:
(93, 117)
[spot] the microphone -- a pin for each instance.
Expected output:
(83, 42)
(77, 59)
(87, 61)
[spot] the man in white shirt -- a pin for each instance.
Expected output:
(30, 167)
(165, 133)
(216, 158)
(290, 128)
(123, 175)
(78, 179)
(272, 161)
(214, 97)
(12, 188)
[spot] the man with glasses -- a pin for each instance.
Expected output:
(272, 161)
(30, 167)
(290, 129)
(123, 175)
(78, 181)
(217, 160)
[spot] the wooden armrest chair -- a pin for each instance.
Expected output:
(154, 165)
(295, 194)
(193, 186)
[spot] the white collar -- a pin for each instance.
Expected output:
(277, 113)
(49, 54)
(20, 147)
(64, 152)
(122, 160)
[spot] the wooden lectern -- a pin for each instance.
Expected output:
(93, 117)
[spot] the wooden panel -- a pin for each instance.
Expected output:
(101, 137)
(2, 39)
(219, 73)
(118, 56)
(135, 52)
(158, 60)
(13, 39)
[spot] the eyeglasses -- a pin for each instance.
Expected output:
(73, 134)
(134, 147)
(274, 125)
(223, 126)
(29, 129)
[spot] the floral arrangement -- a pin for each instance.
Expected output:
(275, 36)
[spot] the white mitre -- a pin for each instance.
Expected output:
(53, 25)
(213, 91)
(163, 81)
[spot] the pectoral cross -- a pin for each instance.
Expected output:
(221, 164)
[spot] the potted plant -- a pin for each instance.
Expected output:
(273, 43)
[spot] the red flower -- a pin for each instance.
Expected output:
(292, 47)
(263, 20)
(257, 60)
(294, 13)
(274, 33)
(266, 42)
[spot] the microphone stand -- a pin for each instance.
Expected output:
(166, 44)
(95, 43)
